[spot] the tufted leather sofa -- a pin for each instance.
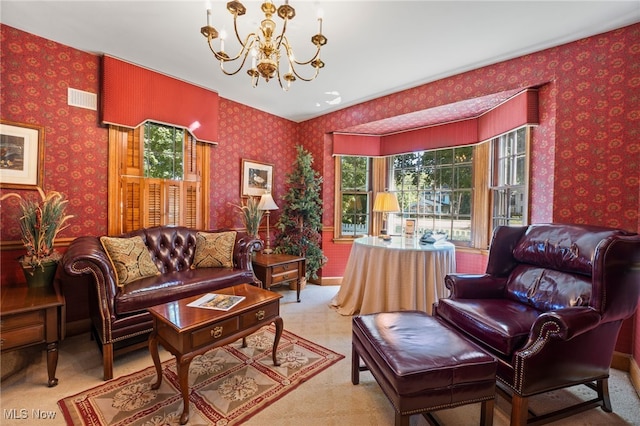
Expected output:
(120, 321)
(549, 308)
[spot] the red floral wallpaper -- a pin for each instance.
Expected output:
(585, 158)
(35, 76)
(585, 152)
(247, 133)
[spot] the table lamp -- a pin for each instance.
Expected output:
(385, 203)
(267, 204)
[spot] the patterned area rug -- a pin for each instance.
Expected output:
(227, 385)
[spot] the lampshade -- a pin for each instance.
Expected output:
(386, 202)
(267, 203)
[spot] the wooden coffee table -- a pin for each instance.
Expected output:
(187, 331)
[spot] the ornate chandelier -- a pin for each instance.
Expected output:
(265, 48)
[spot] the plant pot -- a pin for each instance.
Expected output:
(40, 276)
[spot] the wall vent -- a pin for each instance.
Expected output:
(82, 99)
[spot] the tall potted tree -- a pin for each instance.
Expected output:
(40, 222)
(300, 222)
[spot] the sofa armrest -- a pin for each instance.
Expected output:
(470, 286)
(245, 246)
(86, 256)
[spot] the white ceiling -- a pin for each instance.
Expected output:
(374, 48)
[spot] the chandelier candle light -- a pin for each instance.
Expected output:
(265, 48)
(267, 204)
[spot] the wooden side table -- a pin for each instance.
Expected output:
(31, 316)
(276, 269)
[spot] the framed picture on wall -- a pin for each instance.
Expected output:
(256, 178)
(21, 155)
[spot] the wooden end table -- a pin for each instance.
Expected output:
(277, 269)
(32, 316)
(187, 331)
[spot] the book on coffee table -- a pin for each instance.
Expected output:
(219, 302)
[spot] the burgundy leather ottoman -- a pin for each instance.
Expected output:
(422, 365)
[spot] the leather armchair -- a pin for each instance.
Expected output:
(549, 308)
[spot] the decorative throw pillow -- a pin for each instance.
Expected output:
(130, 259)
(214, 250)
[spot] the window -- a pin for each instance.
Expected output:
(355, 193)
(163, 152)
(435, 188)
(509, 180)
(464, 191)
(161, 175)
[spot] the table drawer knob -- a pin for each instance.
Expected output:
(260, 315)
(216, 332)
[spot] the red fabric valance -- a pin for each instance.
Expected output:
(356, 145)
(445, 135)
(132, 95)
(516, 111)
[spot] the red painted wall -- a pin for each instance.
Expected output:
(585, 151)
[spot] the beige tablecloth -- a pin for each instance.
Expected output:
(400, 274)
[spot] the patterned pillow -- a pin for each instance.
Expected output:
(214, 250)
(130, 259)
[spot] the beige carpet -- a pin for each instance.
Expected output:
(328, 398)
(227, 385)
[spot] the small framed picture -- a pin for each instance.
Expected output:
(409, 227)
(256, 178)
(21, 155)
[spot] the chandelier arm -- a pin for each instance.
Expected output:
(303, 78)
(280, 81)
(288, 47)
(243, 51)
(244, 59)
(316, 56)
(294, 72)
(282, 36)
(235, 29)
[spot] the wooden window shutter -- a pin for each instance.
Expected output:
(173, 191)
(135, 152)
(192, 205)
(131, 203)
(153, 202)
(190, 158)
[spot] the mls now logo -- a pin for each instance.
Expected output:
(24, 414)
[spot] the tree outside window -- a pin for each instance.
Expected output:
(355, 193)
(163, 151)
(435, 188)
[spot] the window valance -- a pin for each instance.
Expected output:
(132, 95)
(459, 129)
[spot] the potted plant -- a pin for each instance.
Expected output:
(251, 215)
(40, 222)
